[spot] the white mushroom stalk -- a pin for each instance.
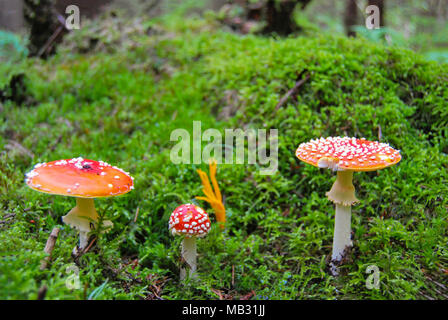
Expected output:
(342, 194)
(189, 254)
(84, 218)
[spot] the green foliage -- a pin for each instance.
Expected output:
(120, 106)
(12, 47)
(13, 64)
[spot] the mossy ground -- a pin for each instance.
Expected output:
(120, 100)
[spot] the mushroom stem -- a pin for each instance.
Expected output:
(342, 194)
(341, 238)
(84, 218)
(343, 191)
(189, 254)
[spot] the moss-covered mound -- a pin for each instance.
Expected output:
(119, 103)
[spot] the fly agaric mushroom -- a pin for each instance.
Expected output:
(345, 155)
(84, 179)
(192, 222)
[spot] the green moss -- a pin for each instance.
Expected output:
(121, 107)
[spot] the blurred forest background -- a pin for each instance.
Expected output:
(34, 27)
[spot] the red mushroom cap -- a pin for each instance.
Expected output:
(189, 220)
(79, 177)
(345, 153)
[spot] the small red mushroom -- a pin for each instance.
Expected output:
(345, 155)
(192, 222)
(84, 179)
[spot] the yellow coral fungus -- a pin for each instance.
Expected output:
(214, 198)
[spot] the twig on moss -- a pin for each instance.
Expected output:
(7, 219)
(49, 246)
(42, 293)
(292, 91)
(14, 145)
(89, 246)
(136, 214)
(218, 293)
(248, 296)
(50, 41)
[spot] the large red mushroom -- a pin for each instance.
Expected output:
(345, 155)
(85, 180)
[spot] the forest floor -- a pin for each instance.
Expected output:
(117, 89)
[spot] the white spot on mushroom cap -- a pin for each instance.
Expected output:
(60, 163)
(185, 220)
(31, 174)
(344, 149)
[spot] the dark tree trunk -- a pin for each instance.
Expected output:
(41, 19)
(279, 16)
(350, 17)
(381, 6)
